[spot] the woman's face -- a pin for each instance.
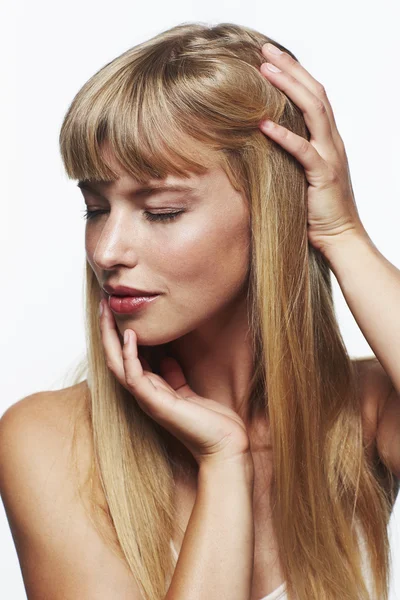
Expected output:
(198, 261)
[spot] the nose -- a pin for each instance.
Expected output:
(117, 242)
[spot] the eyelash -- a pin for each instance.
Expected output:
(91, 214)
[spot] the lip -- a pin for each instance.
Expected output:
(129, 304)
(122, 290)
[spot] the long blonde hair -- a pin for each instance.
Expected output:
(186, 99)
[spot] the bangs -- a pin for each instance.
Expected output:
(137, 114)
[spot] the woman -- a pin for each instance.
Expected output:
(223, 413)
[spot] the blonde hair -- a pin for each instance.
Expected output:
(186, 99)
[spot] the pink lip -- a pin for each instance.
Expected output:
(129, 304)
(121, 290)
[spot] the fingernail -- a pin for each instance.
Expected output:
(101, 308)
(267, 124)
(273, 68)
(126, 336)
(273, 49)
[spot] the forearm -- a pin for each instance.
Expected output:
(216, 558)
(371, 287)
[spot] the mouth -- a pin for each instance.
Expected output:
(124, 291)
(129, 304)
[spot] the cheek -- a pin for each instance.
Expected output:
(89, 249)
(211, 254)
(213, 257)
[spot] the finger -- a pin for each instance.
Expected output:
(299, 147)
(146, 388)
(111, 343)
(181, 417)
(172, 372)
(313, 108)
(174, 376)
(301, 87)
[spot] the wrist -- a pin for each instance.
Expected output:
(240, 467)
(341, 252)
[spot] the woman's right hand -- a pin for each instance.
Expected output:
(211, 431)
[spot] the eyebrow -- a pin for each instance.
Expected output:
(141, 191)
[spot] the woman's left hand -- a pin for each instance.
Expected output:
(332, 211)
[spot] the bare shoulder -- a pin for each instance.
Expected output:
(43, 430)
(374, 388)
(381, 411)
(61, 553)
(39, 423)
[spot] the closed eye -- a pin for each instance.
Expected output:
(91, 214)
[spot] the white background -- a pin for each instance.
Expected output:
(48, 51)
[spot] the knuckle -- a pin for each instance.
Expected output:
(340, 144)
(284, 133)
(331, 178)
(130, 380)
(319, 106)
(304, 146)
(320, 90)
